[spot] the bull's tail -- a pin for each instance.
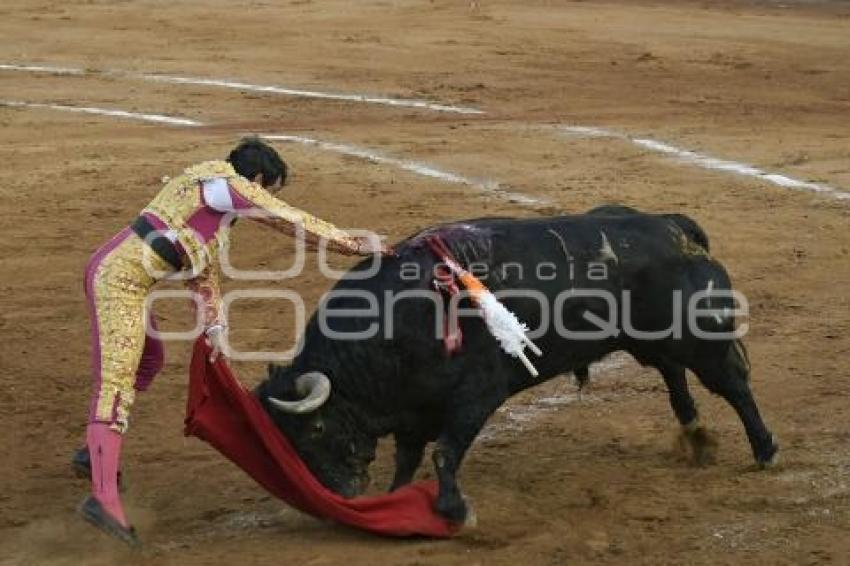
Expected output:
(692, 230)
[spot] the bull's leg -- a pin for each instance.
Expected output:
(447, 457)
(464, 420)
(408, 456)
(695, 441)
(729, 378)
(677, 387)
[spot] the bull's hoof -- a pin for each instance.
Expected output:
(454, 510)
(771, 457)
(698, 445)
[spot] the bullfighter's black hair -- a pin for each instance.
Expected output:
(253, 156)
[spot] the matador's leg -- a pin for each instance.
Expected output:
(153, 357)
(116, 286)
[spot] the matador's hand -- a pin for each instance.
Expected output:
(370, 245)
(215, 339)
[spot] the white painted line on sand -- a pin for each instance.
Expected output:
(489, 187)
(518, 418)
(712, 163)
(158, 118)
(591, 132)
(237, 85)
(365, 98)
(418, 168)
(43, 69)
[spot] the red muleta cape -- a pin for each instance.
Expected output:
(227, 416)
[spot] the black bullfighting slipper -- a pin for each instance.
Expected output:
(81, 462)
(94, 513)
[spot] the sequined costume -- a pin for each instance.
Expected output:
(190, 212)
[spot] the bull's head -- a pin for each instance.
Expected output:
(323, 428)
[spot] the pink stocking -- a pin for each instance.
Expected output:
(105, 450)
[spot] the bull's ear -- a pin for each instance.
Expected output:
(271, 368)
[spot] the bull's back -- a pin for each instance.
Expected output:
(533, 264)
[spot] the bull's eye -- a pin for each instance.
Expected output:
(318, 427)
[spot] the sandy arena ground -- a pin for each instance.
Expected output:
(596, 481)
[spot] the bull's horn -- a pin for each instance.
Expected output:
(314, 386)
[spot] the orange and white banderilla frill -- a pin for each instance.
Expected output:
(502, 323)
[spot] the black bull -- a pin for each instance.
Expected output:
(340, 395)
